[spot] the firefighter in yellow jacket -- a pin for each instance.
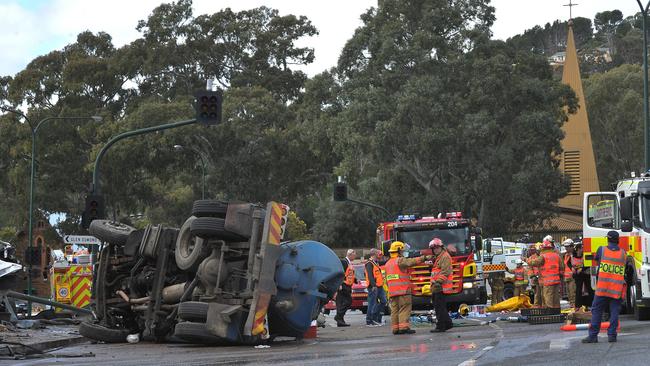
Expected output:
(441, 285)
(398, 280)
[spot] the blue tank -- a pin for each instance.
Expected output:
(308, 274)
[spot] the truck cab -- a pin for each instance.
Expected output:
(627, 211)
(461, 241)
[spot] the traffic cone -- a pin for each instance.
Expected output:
(312, 331)
(572, 327)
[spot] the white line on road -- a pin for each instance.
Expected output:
(499, 337)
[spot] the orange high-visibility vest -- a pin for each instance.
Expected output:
(568, 272)
(398, 281)
(577, 262)
(611, 274)
(519, 276)
(376, 273)
(551, 269)
(533, 270)
(436, 274)
(349, 275)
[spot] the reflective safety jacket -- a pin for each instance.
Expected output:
(441, 272)
(349, 275)
(577, 263)
(568, 271)
(550, 270)
(611, 274)
(376, 275)
(519, 273)
(398, 280)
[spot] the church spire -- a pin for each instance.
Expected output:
(578, 161)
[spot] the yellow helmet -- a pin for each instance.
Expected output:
(396, 246)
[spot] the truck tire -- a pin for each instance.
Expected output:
(110, 231)
(508, 290)
(196, 333)
(209, 208)
(101, 333)
(213, 227)
(193, 311)
(190, 249)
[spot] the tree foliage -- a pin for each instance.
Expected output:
(422, 113)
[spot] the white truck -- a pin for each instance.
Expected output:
(496, 256)
(626, 210)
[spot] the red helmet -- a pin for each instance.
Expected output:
(435, 242)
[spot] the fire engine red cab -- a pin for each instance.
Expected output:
(461, 240)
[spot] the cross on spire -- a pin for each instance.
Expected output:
(570, 5)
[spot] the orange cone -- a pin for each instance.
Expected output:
(572, 327)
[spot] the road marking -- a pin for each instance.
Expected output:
(499, 337)
(559, 343)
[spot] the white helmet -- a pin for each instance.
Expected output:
(519, 261)
(548, 238)
(567, 243)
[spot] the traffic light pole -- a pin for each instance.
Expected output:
(369, 205)
(95, 188)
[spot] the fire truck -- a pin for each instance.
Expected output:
(461, 240)
(626, 210)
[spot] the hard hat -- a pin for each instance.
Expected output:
(396, 246)
(567, 243)
(547, 245)
(548, 238)
(435, 242)
(612, 236)
(463, 309)
(519, 261)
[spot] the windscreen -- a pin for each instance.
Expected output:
(456, 241)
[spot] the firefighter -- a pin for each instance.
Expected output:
(533, 275)
(550, 267)
(398, 280)
(520, 277)
(569, 283)
(376, 294)
(344, 295)
(441, 284)
(610, 286)
(495, 279)
(581, 277)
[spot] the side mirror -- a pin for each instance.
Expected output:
(479, 243)
(626, 226)
(488, 246)
(626, 209)
(385, 246)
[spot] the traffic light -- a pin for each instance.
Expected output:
(94, 210)
(284, 219)
(207, 105)
(340, 191)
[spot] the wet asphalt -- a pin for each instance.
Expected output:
(499, 343)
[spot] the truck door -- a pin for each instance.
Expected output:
(601, 213)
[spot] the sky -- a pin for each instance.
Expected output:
(31, 28)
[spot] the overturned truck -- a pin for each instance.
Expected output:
(224, 277)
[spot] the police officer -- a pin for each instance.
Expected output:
(610, 285)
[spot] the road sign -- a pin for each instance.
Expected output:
(81, 239)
